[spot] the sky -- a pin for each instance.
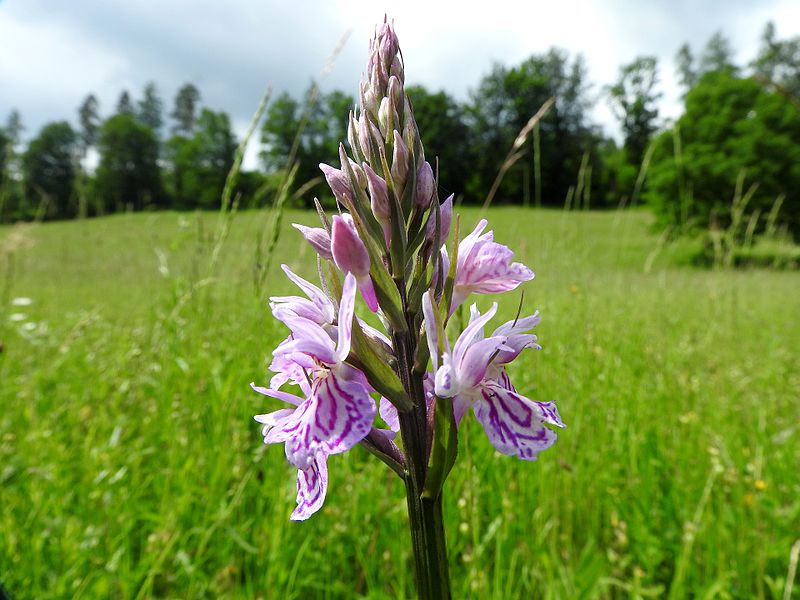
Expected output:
(53, 53)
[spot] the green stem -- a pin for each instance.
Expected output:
(424, 514)
(429, 547)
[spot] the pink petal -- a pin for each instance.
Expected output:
(338, 414)
(312, 485)
(345, 319)
(472, 333)
(475, 361)
(512, 422)
(388, 413)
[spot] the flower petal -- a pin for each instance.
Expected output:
(316, 295)
(512, 422)
(312, 485)
(338, 414)
(344, 323)
(471, 333)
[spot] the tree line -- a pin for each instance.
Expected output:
(740, 126)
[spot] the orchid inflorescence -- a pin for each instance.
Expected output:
(388, 244)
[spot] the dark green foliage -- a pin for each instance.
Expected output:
(14, 127)
(778, 62)
(309, 132)
(634, 102)
(684, 67)
(445, 136)
(717, 56)
(501, 106)
(185, 109)
(151, 108)
(89, 121)
(730, 126)
(125, 104)
(49, 169)
(200, 164)
(128, 176)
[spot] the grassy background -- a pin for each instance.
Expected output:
(130, 466)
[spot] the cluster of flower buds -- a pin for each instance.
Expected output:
(389, 244)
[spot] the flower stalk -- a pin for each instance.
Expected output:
(388, 246)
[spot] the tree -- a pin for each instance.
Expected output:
(14, 127)
(717, 55)
(128, 175)
(185, 110)
(501, 106)
(199, 165)
(151, 108)
(731, 127)
(684, 67)
(90, 122)
(124, 104)
(778, 63)
(317, 126)
(634, 102)
(49, 168)
(445, 135)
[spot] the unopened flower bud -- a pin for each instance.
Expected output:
(396, 70)
(351, 256)
(339, 184)
(358, 172)
(369, 98)
(368, 135)
(349, 252)
(445, 218)
(319, 239)
(379, 195)
(425, 186)
(361, 178)
(400, 159)
(395, 92)
(387, 116)
(352, 136)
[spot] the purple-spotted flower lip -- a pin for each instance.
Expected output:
(473, 375)
(337, 411)
(485, 267)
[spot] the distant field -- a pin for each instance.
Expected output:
(130, 466)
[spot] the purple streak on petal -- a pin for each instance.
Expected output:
(319, 239)
(512, 422)
(344, 414)
(446, 379)
(312, 485)
(345, 318)
(549, 414)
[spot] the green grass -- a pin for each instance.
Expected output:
(130, 466)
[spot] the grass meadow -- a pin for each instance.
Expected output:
(130, 466)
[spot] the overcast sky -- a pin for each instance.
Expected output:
(54, 52)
